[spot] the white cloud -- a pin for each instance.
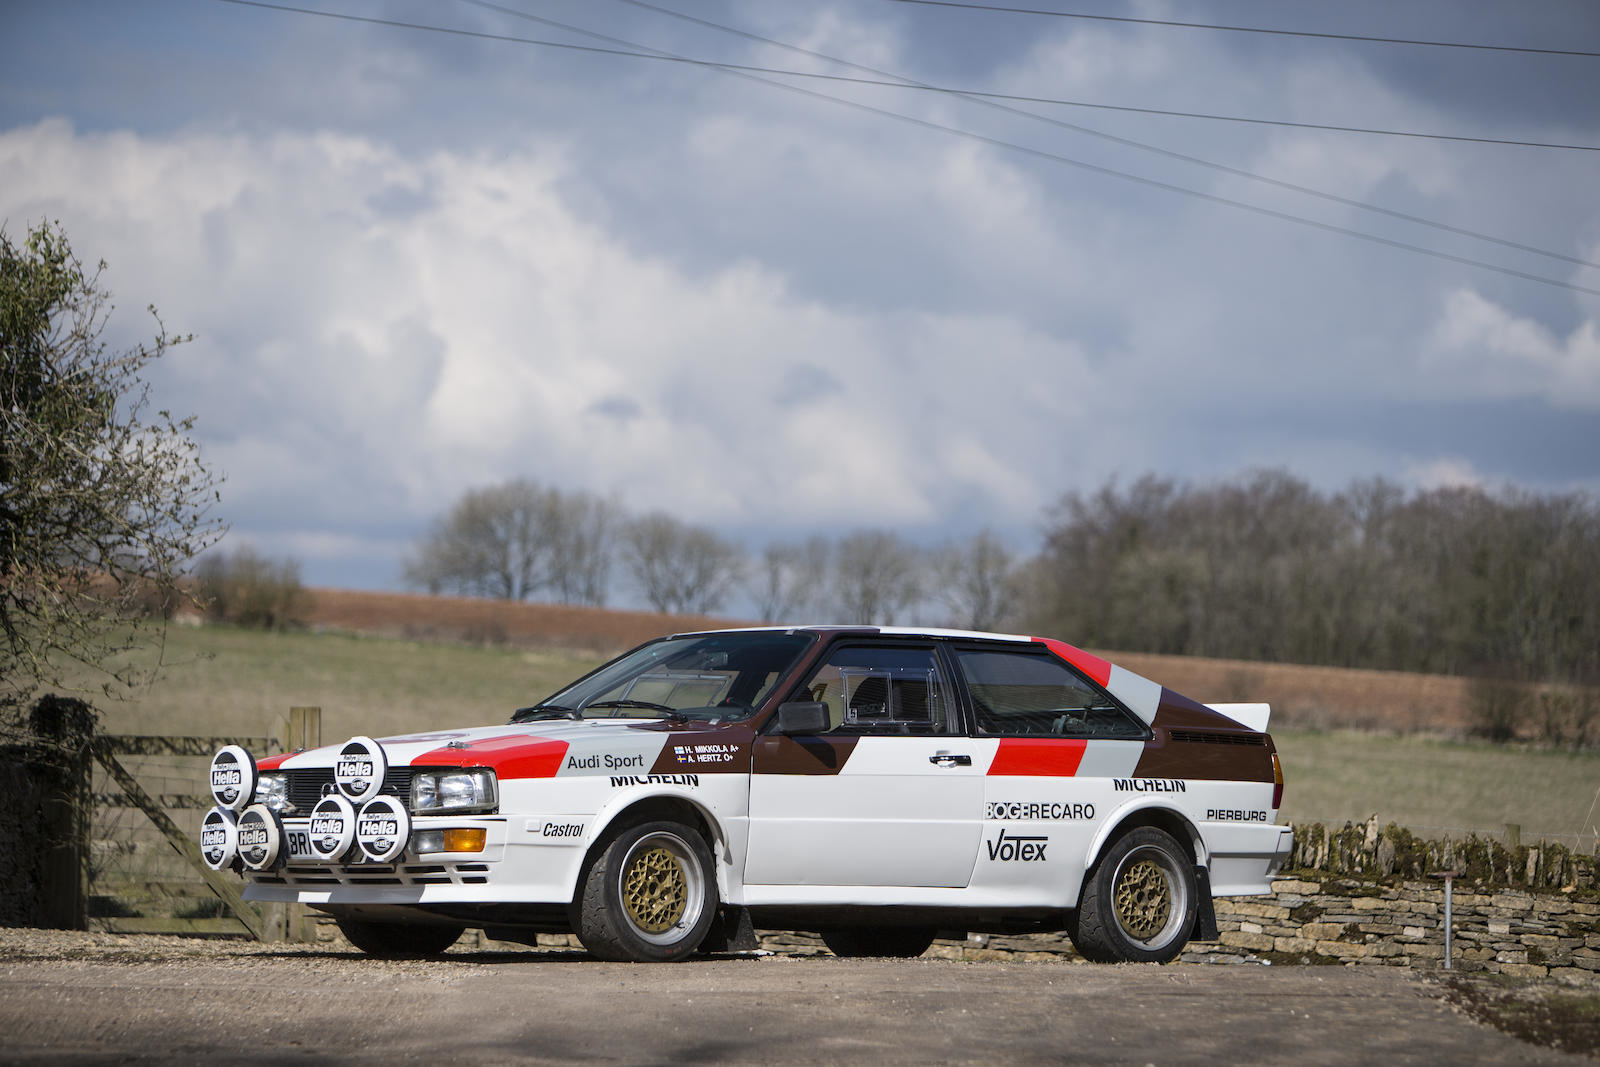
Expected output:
(1502, 354)
(352, 362)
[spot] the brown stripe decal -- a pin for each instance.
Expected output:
(802, 755)
(1165, 757)
(724, 751)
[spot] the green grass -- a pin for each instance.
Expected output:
(1435, 786)
(222, 680)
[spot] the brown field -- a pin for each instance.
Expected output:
(419, 617)
(1304, 697)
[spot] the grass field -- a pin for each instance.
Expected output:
(228, 681)
(222, 680)
(1437, 787)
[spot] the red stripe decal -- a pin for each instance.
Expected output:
(272, 763)
(522, 756)
(1052, 759)
(1093, 666)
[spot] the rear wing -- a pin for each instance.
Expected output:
(1251, 716)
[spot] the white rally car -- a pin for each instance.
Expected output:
(877, 785)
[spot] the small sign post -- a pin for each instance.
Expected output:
(1449, 877)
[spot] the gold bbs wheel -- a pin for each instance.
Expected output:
(662, 887)
(653, 890)
(1150, 897)
(1144, 900)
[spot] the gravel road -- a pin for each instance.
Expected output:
(102, 998)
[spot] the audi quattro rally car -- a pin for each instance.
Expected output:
(878, 785)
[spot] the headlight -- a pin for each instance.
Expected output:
(454, 791)
(272, 789)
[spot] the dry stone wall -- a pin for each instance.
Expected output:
(1351, 921)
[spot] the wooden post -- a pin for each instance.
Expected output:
(1513, 835)
(305, 729)
(64, 728)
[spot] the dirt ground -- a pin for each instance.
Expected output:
(99, 998)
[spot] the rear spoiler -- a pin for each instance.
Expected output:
(1252, 716)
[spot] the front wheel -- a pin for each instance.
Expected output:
(648, 896)
(1139, 901)
(902, 942)
(399, 940)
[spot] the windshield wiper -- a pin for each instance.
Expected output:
(633, 704)
(544, 711)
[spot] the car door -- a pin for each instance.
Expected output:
(1062, 742)
(888, 794)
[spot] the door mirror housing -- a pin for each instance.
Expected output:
(803, 717)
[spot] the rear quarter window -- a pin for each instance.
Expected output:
(1036, 695)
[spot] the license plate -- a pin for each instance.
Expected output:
(298, 843)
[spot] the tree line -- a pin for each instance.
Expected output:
(519, 540)
(1464, 581)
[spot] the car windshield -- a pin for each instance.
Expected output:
(717, 677)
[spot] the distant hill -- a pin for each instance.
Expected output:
(1306, 697)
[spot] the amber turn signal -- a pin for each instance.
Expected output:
(465, 839)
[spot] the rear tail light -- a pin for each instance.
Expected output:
(1277, 783)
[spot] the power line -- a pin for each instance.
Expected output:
(1251, 29)
(987, 100)
(1038, 153)
(905, 82)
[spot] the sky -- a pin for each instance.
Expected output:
(418, 262)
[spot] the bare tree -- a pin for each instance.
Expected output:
(791, 579)
(582, 530)
(681, 569)
(975, 580)
(876, 576)
(494, 542)
(102, 502)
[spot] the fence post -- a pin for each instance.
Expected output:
(305, 729)
(1513, 836)
(64, 728)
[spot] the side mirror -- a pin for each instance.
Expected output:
(803, 717)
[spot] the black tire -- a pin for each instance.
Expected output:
(649, 895)
(399, 940)
(1139, 901)
(902, 942)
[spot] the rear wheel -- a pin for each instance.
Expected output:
(648, 895)
(399, 940)
(898, 941)
(1139, 900)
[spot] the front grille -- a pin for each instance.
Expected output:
(311, 784)
(373, 874)
(1207, 737)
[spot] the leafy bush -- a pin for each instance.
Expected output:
(249, 589)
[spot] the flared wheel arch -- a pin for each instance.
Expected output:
(1148, 813)
(654, 809)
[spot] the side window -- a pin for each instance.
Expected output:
(881, 690)
(1017, 693)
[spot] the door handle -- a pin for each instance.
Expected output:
(945, 759)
